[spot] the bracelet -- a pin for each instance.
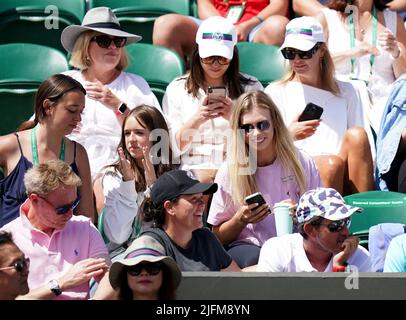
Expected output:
(398, 56)
(259, 18)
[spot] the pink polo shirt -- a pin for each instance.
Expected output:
(50, 257)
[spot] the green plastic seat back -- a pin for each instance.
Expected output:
(39, 21)
(379, 207)
(157, 65)
(138, 16)
(29, 63)
(262, 61)
(17, 106)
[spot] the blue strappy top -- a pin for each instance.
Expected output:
(12, 189)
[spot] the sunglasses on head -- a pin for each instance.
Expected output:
(64, 209)
(152, 268)
(261, 126)
(338, 225)
(19, 265)
(210, 60)
(290, 53)
(104, 41)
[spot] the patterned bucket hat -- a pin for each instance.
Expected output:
(323, 202)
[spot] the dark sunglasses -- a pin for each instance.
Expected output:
(64, 209)
(261, 126)
(153, 268)
(104, 41)
(290, 54)
(19, 265)
(210, 60)
(338, 225)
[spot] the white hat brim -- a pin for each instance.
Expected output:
(119, 266)
(297, 42)
(71, 33)
(215, 49)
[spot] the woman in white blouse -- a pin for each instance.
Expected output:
(120, 187)
(200, 126)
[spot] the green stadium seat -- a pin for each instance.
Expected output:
(157, 65)
(138, 16)
(17, 106)
(26, 65)
(262, 61)
(379, 207)
(23, 67)
(27, 20)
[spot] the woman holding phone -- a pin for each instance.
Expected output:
(198, 104)
(339, 142)
(261, 158)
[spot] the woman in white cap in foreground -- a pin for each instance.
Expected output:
(339, 141)
(97, 48)
(198, 123)
(145, 273)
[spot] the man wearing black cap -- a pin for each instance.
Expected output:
(176, 209)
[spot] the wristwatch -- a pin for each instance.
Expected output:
(54, 287)
(122, 108)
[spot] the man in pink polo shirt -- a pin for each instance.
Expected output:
(65, 251)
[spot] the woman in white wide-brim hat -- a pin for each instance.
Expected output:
(98, 52)
(145, 273)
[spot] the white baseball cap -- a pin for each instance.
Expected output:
(303, 33)
(216, 36)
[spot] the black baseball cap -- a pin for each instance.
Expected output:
(174, 183)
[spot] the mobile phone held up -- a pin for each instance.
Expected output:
(311, 112)
(215, 92)
(255, 198)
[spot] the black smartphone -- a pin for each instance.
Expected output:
(311, 112)
(215, 92)
(255, 198)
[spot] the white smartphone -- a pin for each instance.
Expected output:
(255, 198)
(215, 92)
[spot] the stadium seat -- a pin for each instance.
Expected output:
(157, 65)
(26, 65)
(138, 16)
(379, 207)
(262, 61)
(38, 21)
(23, 67)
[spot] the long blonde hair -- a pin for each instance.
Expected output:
(327, 70)
(242, 184)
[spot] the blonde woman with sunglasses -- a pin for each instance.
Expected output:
(261, 158)
(198, 123)
(339, 141)
(98, 52)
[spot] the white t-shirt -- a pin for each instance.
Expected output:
(286, 254)
(379, 82)
(100, 130)
(340, 113)
(274, 185)
(208, 148)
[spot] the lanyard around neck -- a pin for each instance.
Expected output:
(374, 38)
(34, 148)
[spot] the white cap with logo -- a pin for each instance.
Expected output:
(303, 33)
(216, 36)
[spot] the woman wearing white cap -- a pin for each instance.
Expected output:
(97, 48)
(145, 273)
(199, 125)
(338, 142)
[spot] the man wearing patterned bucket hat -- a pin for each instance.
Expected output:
(323, 243)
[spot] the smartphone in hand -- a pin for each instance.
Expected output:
(255, 198)
(311, 112)
(215, 92)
